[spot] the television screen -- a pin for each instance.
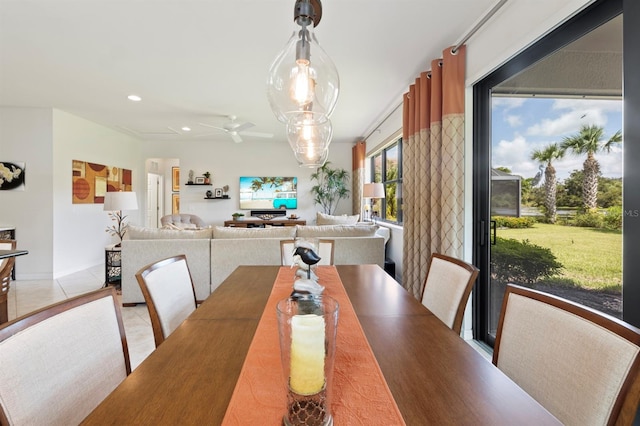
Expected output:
(268, 193)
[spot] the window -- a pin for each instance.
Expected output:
(386, 168)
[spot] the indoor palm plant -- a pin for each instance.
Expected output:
(331, 187)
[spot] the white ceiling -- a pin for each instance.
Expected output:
(196, 61)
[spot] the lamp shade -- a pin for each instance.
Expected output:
(118, 201)
(373, 190)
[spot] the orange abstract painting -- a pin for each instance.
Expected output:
(91, 181)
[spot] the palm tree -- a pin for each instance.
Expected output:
(589, 140)
(547, 155)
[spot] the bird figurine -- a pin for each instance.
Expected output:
(308, 257)
(304, 257)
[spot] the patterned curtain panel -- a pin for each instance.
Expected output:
(358, 153)
(433, 167)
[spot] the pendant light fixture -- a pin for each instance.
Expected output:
(303, 87)
(303, 76)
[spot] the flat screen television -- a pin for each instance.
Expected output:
(268, 193)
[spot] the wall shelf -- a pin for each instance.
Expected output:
(217, 198)
(199, 184)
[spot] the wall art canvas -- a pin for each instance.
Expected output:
(175, 203)
(12, 176)
(268, 193)
(91, 181)
(175, 179)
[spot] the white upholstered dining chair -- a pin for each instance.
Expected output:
(6, 266)
(580, 364)
(447, 287)
(324, 249)
(58, 363)
(169, 293)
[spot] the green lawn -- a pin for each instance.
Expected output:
(592, 258)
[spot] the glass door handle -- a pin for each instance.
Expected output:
(493, 232)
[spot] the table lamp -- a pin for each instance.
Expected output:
(372, 191)
(115, 203)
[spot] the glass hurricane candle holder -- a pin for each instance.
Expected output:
(307, 326)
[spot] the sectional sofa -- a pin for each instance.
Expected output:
(214, 253)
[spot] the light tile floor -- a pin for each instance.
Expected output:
(28, 295)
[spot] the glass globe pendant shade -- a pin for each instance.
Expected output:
(309, 135)
(312, 158)
(302, 77)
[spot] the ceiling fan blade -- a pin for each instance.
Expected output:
(243, 126)
(235, 136)
(213, 127)
(258, 134)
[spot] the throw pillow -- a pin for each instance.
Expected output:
(327, 219)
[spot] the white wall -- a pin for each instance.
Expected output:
(79, 229)
(26, 136)
(228, 161)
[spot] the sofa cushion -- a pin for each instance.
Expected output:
(141, 233)
(336, 231)
(327, 219)
(223, 232)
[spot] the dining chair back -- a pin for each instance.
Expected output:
(169, 293)
(324, 249)
(58, 363)
(6, 266)
(580, 364)
(447, 287)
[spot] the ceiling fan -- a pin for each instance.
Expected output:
(235, 129)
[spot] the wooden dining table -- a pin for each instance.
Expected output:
(434, 376)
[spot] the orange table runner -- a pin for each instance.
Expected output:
(360, 392)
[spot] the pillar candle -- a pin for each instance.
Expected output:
(307, 354)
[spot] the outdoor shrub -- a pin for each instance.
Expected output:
(521, 262)
(513, 222)
(590, 219)
(613, 218)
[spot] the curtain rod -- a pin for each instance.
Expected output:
(480, 23)
(383, 120)
(464, 39)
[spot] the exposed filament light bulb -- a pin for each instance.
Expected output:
(302, 87)
(307, 128)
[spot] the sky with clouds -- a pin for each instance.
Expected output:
(521, 125)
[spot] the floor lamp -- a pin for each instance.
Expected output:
(371, 191)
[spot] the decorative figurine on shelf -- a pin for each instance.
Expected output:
(304, 258)
(225, 189)
(207, 177)
(209, 194)
(190, 176)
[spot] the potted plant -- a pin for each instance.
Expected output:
(331, 187)
(237, 216)
(207, 176)
(225, 189)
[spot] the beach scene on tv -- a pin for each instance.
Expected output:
(268, 193)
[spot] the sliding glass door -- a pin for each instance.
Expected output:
(549, 211)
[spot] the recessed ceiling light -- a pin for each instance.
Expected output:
(134, 98)
(186, 129)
